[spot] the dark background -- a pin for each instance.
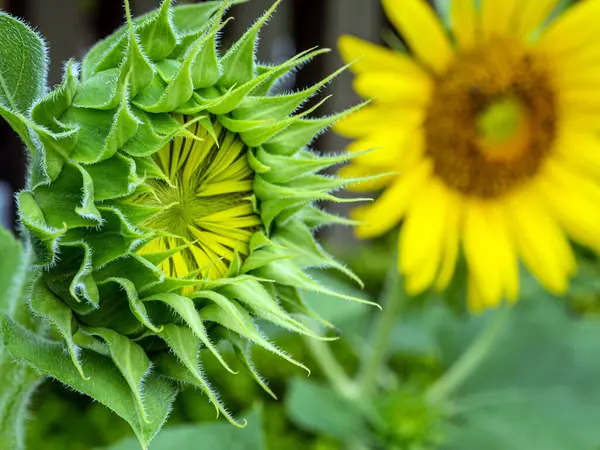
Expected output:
(72, 26)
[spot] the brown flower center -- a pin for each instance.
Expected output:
(491, 120)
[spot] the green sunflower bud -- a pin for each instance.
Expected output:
(170, 205)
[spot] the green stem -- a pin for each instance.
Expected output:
(471, 359)
(393, 298)
(333, 371)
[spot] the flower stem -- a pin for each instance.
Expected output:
(393, 297)
(333, 371)
(471, 359)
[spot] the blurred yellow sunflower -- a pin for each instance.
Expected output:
(489, 138)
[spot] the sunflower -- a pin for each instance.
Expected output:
(170, 206)
(486, 136)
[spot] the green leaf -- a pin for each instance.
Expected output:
(106, 384)
(12, 269)
(213, 436)
(23, 65)
(316, 408)
(17, 383)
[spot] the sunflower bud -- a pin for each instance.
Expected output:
(170, 205)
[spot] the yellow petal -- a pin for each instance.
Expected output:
(394, 88)
(422, 30)
(575, 200)
(580, 150)
(390, 207)
(541, 242)
(366, 120)
(481, 246)
(422, 234)
(451, 240)
(573, 30)
(497, 16)
(369, 57)
(464, 23)
(532, 15)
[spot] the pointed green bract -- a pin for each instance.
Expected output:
(171, 205)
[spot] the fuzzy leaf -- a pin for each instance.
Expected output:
(246, 329)
(157, 35)
(185, 18)
(130, 359)
(187, 311)
(71, 192)
(298, 239)
(58, 101)
(238, 63)
(53, 310)
(12, 269)
(23, 65)
(106, 386)
(18, 383)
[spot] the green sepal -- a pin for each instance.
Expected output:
(83, 283)
(247, 329)
(46, 238)
(135, 304)
(69, 199)
(187, 311)
(185, 18)
(280, 106)
(124, 126)
(276, 198)
(300, 59)
(315, 217)
(293, 301)
(258, 298)
(297, 238)
(238, 63)
(186, 345)
(157, 36)
(52, 154)
(206, 69)
(109, 387)
(301, 133)
(20, 125)
(54, 104)
(184, 368)
(261, 134)
(114, 177)
(102, 91)
(130, 359)
(93, 128)
(262, 257)
(161, 97)
(286, 168)
(133, 267)
(287, 273)
(113, 240)
(45, 304)
(243, 351)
